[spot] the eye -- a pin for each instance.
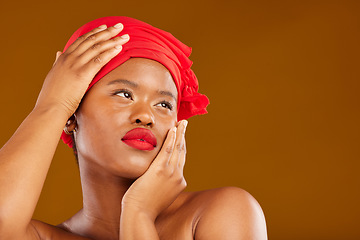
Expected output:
(124, 93)
(165, 104)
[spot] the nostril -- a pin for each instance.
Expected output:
(145, 123)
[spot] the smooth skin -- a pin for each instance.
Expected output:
(128, 193)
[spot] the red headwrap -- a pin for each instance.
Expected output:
(149, 42)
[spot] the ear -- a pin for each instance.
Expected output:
(71, 125)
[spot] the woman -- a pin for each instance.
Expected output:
(127, 139)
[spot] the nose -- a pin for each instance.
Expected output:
(142, 115)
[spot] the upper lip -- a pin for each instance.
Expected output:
(141, 134)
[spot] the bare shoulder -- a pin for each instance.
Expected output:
(49, 232)
(229, 213)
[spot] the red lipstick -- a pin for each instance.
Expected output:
(140, 138)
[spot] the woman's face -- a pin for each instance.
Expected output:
(140, 94)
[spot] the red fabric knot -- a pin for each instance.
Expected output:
(192, 103)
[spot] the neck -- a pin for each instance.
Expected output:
(102, 196)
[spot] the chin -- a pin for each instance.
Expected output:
(120, 161)
(131, 166)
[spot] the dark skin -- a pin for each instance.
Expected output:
(128, 193)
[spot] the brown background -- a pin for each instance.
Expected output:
(283, 80)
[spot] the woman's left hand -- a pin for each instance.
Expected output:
(160, 185)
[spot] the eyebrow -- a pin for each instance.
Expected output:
(167, 93)
(123, 81)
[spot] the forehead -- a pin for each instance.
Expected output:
(143, 72)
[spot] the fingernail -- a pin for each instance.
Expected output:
(125, 36)
(185, 123)
(118, 46)
(174, 129)
(118, 25)
(103, 26)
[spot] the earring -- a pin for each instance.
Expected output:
(67, 132)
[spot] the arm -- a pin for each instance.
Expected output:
(153, 192)
(24, 162)
(26, 157)
(136, 224)
(232, 214)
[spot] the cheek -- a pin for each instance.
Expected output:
(165, 126)
(87, 136)
(94, 130)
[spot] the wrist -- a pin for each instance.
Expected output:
(136, 223)
(133, 211)
(55, 110)
(52, 112)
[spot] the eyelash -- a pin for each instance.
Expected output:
(125, 92)
(168, 105)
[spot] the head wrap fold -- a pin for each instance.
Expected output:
(149, 42)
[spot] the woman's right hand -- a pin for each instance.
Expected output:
(73, 70)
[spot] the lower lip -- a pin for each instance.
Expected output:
(138, 144)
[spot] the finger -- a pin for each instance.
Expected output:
(80, 39)
(97, 62)
(102, 47)
(167, 148)
(97, 37)
(182, 157)
(58, 53)
(179, 143)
